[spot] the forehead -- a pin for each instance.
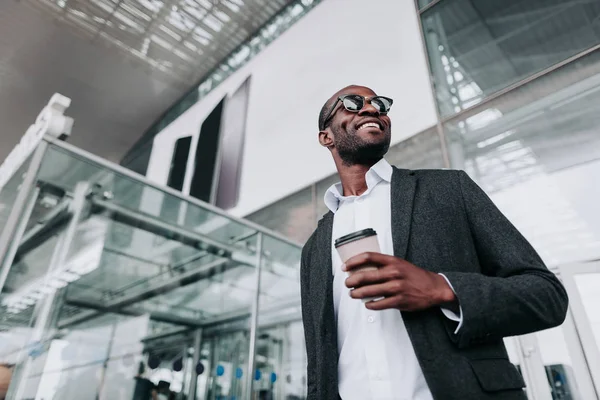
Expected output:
(361, 90)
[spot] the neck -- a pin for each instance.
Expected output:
(353, 178)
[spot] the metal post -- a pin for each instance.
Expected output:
(59, 259)
(186, 372)
(50, 122)
(11, 251)
(282, 351)
(105, 363)
(254, 320)
(532, 367)
(191, 395)
(208, 388)
(17, 213)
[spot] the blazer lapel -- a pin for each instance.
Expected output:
(322, 279)
(321, 291)
(403, 188)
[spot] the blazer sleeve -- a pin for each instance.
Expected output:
(309, 333)
(515, 293)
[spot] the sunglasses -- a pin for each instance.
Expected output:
(356, 102)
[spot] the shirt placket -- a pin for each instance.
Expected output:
(375, 354)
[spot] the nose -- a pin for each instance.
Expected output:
(368, 109)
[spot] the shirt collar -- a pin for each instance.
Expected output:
(381, 171)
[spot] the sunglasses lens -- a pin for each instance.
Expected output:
(353, 103)
(382, 104)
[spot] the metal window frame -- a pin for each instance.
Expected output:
(474, 109)
(584, 330)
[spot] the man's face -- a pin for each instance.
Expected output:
(355, 138)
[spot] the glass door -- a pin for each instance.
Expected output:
(229, 355)
(269, 360)
(582, 281)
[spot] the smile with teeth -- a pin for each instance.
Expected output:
(369, 125)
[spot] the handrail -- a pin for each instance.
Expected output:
(144, 180)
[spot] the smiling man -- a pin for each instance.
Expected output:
(453, 278)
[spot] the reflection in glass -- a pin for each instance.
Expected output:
(478, 47)
(536, 156)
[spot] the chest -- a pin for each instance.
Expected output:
(372, 210)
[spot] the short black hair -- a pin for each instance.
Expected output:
(324, 111)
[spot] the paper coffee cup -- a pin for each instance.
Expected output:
(356, 243)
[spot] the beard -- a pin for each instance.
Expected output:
(353, 150)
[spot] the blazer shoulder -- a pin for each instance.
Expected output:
(307, 248)
(437, 176)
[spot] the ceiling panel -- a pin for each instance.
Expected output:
(122, 62)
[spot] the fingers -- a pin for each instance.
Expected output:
(387, 289)
(367, 259)
(380, 275)
(384, 304)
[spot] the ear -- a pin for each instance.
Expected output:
(326, 138)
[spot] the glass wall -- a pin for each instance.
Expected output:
(479, 47)
(536, 152)
(517, 85)
(108, 297)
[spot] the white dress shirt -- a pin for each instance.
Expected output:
(376, 357)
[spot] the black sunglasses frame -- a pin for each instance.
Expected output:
(364, 99)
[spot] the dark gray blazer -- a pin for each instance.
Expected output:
(442, 221)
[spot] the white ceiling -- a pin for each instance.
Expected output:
(119, 75)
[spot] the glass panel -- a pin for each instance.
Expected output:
(478, 47)
(68, 169)
(110, 312)
(229, 365)
(292, 216)
(421, 151)
(8, 193)
(423, 3)
(587, 285)
(535, 151)
(279, 288)
(281, 360)
(74, 364)
(558, 363)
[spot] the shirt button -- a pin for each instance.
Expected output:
(371, 319)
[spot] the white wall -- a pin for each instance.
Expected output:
(340, 42)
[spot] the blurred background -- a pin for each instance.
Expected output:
(152, 251)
